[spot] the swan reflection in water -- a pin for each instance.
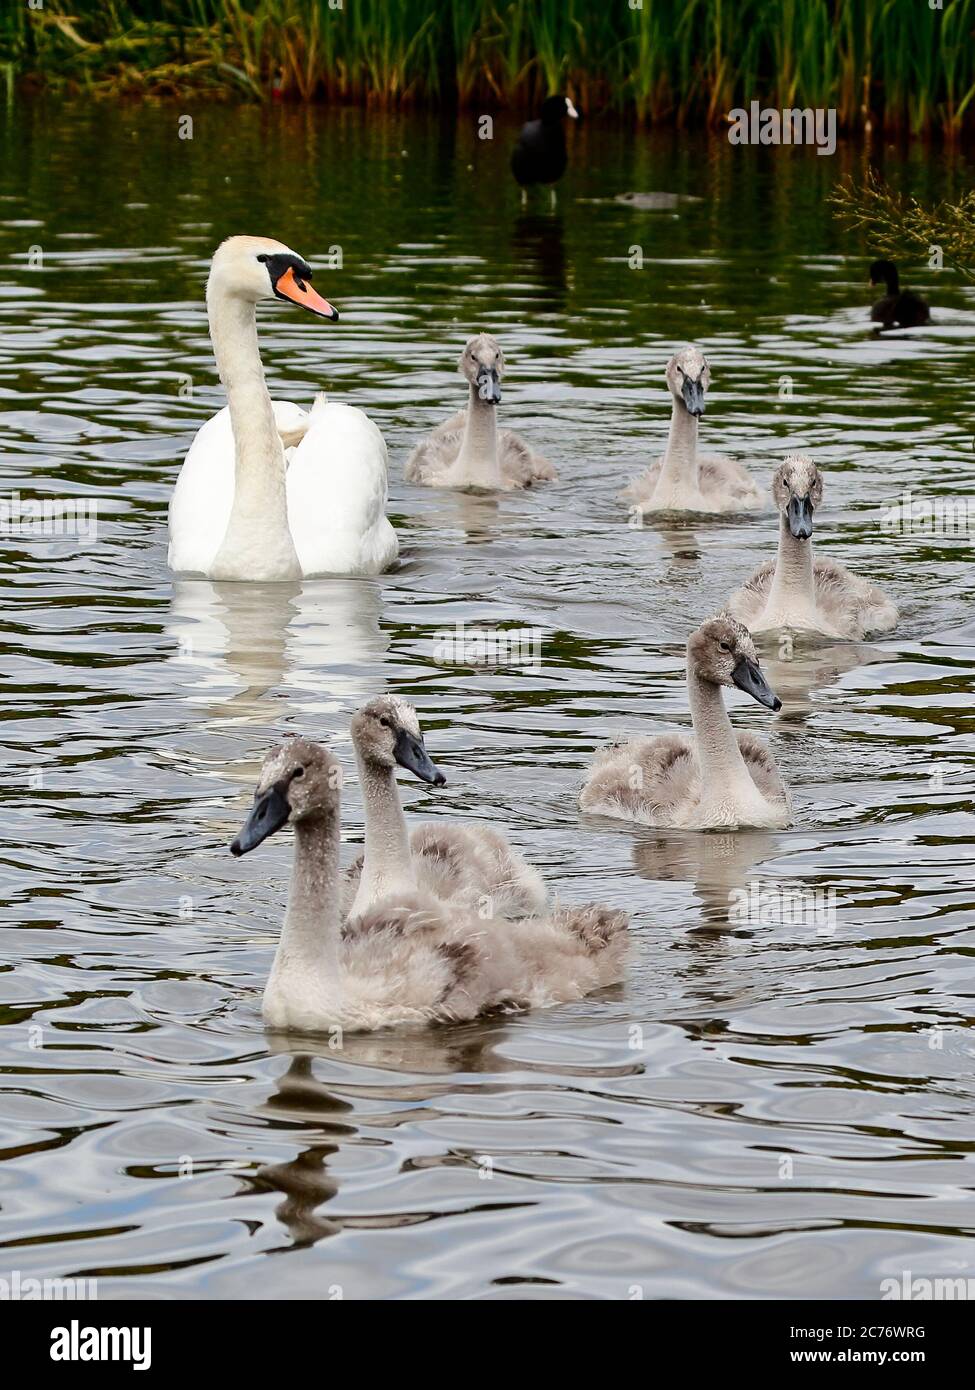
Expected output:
(720, 864)
(301, 1100)
(317, 643)
(683, 550)
(474, 516)
(428, 1060)
(797, 666)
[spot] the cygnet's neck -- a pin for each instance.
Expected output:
(718, 752)
(679, 468)
(478, 463)
(387, 865)
(793, 579)
(308, 949)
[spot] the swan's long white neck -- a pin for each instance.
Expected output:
(308, 951)
(679, 466)
(720, 757)
(387, 865)
(257, 544)
(793, 578)
(478, 463)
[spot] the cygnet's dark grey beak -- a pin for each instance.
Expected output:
(799, 514)
(411, 753)
(693, 393)
(489, 385)
(749, 678)
(269, 812)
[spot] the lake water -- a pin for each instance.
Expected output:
(779, 1108)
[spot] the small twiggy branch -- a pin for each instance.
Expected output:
(896, 225)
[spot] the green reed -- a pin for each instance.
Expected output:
(892, 63)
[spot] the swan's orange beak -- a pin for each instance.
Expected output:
(302, 293)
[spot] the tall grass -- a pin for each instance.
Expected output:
(892, 63)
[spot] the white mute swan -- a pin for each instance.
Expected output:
(683, 480)
(471, 865)
(468, 450)
(799, 591)
(268, 492)
(716, 780)
(409, 959)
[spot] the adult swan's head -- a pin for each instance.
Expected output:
(250, 268)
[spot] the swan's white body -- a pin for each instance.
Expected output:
(335, 485)
(269, 491)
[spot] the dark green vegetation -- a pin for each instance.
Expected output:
(895, 63)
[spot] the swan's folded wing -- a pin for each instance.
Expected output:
(520, 465)
(728, 483)
(649, 780)
(292, 422)
(640, 489)
(598, 933)
(199, 509)
(855, 606)
(405, 960)
(337, 489)
(435, 454)
(476, 866)
(748, 603)
(917, 309)
(764, 770)
(553, 959)
(401, 915)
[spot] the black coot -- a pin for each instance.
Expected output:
(898, 308)
(540, 155)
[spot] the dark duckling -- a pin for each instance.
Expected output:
(898, 308)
